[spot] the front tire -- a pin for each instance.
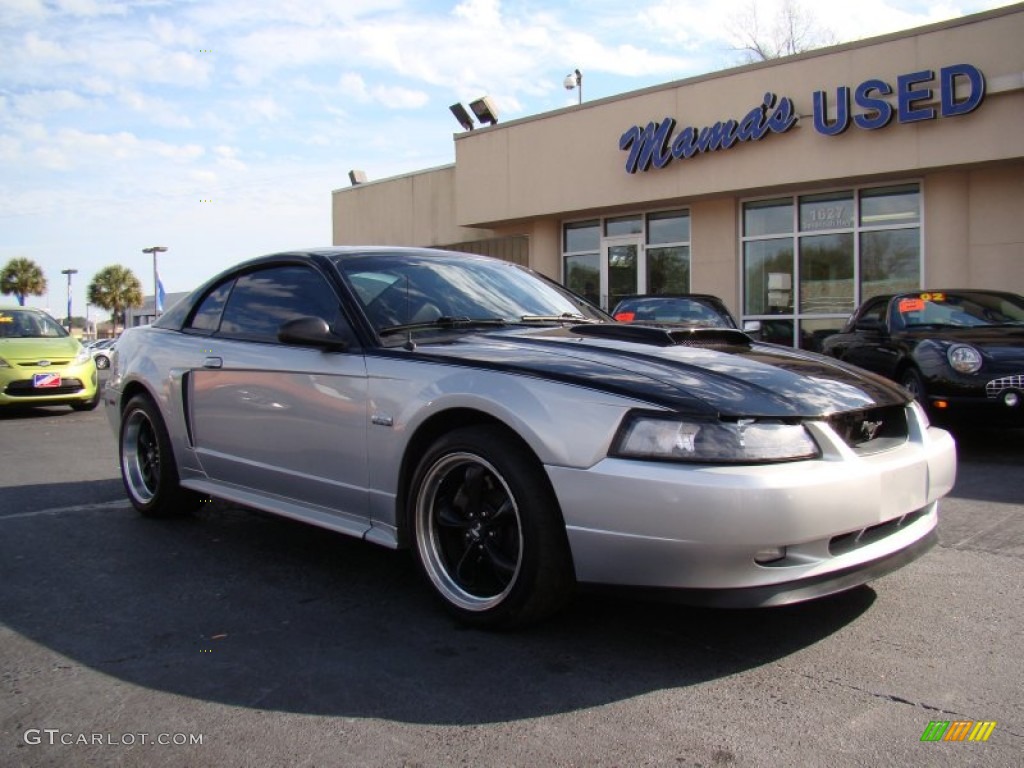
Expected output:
(148, 471)
(102, 362)
(914, 384)
(488, 533)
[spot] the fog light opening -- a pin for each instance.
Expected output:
(1011, 399)
(769, 555)
(940, 404)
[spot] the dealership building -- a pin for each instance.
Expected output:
(794, 188)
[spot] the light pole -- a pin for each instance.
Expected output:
(155, 249)
(69, 273)
(575, 80)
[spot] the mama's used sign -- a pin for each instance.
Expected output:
(871, 105)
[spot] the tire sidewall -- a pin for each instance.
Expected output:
(165, 496)
(545, 564)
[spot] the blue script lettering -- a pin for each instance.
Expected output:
(654, 145)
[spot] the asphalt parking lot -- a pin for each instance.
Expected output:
(234, 638)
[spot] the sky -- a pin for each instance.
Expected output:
(219, 128)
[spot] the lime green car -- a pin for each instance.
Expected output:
(41, 364)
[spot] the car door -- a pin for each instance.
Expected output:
(282, 421)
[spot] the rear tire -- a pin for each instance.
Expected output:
(148, 470)
(488, 534)
(102, 362)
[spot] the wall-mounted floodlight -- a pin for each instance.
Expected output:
(575, 80)
(357, 177)
(462, 116)
(484, 110)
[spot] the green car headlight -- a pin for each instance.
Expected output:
(657, 437)
(83, 356)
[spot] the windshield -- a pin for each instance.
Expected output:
(968, 309)
(686, 310)
(397, 290)
(29, 324)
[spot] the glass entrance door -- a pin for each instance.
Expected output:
(622, 269)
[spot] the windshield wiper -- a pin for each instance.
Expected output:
(565, 317)
(445, 322)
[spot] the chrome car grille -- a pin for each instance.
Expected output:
(995, 387)
(840, 545)
(872, 431)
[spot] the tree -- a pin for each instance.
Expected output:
(115, 288)
(794, 30)
(21, 278)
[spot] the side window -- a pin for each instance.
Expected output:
(264, 299)
(206, 318)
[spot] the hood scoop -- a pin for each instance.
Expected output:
(665, 336)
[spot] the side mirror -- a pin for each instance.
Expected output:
(752, 328)
(870, 325)
(310, 332)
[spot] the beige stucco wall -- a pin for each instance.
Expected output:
(569, 162)
(526, 177)
(416, 209)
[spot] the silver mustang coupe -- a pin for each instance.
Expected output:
(518, 440)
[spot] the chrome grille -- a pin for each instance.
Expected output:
(995, 387)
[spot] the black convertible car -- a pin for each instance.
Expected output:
(960, 352)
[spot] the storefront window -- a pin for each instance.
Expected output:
(623, 225)
(768, 277)
(582, 236)
(831, 211)
(890, 261)
(890, 205)
(849, 245)
(826, 274)
(583, 275)
(605, 259)
(668, 269)
(768, 217)
(668, 227)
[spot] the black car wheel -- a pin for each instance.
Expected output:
(102, 362)
(488, 532)
(147, 462)
(914, 384)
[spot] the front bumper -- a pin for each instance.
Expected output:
(78, 384)
(843, 519)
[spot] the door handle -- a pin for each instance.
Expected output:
(213, 362)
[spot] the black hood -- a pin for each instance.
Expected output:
(710, 372)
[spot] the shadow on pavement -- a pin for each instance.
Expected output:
(240, 608)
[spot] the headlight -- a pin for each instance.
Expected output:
(82, 356)
(645, 436)
(964, 359)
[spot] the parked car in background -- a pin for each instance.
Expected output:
(519, 441)
(41, 364)
(101, 351)
(959, 352)
(696, 310)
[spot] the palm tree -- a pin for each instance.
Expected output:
(21, 278)
(115, 288)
